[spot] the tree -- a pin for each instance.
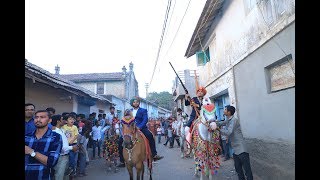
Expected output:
(162, 99)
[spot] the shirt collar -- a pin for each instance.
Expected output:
(46, 134)
(30, 120)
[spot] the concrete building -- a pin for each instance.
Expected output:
(164, 113)
(151, 107)
(120, 84)
(120, 104)
(44, 89)
(188, 78)
(246, 57)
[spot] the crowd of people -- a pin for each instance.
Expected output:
(56, 145)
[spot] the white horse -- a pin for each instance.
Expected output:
(205, 142)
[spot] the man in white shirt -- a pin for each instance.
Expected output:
(159, 133)
(57, 122)
(110, 116)
(96, 137)
(176, 131)
(182, 118)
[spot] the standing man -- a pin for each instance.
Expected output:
(159, 133)
(234, 133)
(96, 136)
(141, 119)
(42, 148)
(29, 126)
(176, 130)
(182, 117)
(120, 148)
(51, 110)
(110, 116)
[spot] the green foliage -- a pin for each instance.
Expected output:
(162, 99)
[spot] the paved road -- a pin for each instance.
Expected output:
(170, 167)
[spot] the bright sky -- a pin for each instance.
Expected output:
(100, 36)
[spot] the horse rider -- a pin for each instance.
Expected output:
(141, 119)
(196, 103)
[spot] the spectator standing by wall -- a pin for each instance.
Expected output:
(42, 148)
(29, 125)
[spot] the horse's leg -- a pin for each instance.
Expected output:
(115, 164)
(210, 176)
(130, 170)
(150, 169)
(139, 167)
(203, 176)
(142, 171)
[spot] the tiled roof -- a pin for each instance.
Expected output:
(46, 75)
(164, 109)
(93, 77)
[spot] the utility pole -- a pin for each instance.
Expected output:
(147, 86)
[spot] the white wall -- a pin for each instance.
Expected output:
(44, 96)
(89, 85)
(238, 33)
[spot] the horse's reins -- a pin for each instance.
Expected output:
(133, 144)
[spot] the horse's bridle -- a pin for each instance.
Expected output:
(134, 140)
(206, 123)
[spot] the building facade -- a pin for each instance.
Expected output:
(120, 84)
(189, 80)
(245, 52)
(44, 90)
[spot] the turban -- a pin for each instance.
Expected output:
(134, 98)
(201, 88)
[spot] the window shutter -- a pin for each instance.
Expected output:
(200, 58)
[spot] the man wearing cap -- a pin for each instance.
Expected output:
(141, 119)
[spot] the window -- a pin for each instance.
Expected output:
(100, 88)
(203, 57)
(281, 74)
(267, 12)
(249, 5)
(280, 6)
(272, 10)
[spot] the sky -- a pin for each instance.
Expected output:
(102, 36)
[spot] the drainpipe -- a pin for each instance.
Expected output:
(235, 92)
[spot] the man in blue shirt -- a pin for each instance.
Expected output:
(29, 121)
(42, 148)
(141, 119)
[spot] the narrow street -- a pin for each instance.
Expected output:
(170, 167)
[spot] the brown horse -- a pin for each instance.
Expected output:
(136, 149)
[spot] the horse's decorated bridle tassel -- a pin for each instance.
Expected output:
(129, 153)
